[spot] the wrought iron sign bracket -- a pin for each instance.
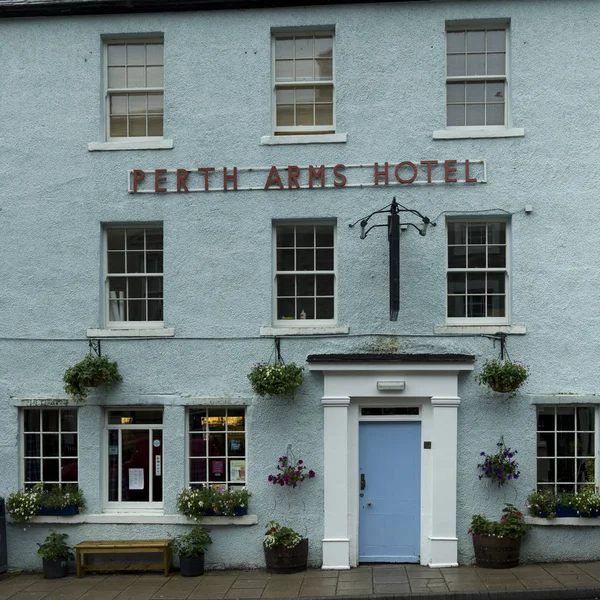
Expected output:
(95, 347)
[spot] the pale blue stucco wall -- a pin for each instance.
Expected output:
(218, 255)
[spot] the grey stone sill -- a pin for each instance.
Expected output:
(133, 518)
(564, 399)
(139, 145)
(289, 331)
(466, 133)
(140, 332)
(564, 521)
(317, 138)
(486, 329)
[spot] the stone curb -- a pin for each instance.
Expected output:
(539, 594)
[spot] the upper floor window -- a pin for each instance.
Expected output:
(305, 274)
(477, 273)
(134, 275)
(566, 448)
(50, 445)
(303, 84)
(134, 89)
(476, 77)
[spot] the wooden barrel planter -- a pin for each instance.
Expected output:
(287, 560)
(496, 553)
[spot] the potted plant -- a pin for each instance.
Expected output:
(208, 501)
(92, 371)
(61, 500)
(277, 379)
(191, 547)
(497, 543)
(55, 553)
(500, 467)
(544, 504)
(505, 376)
(290, 472)
(286, 551)
(24, 504)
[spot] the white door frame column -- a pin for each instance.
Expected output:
(352, 381)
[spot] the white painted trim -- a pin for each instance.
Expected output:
(140, 145)
(484, 132)
(139, 519)
(316, 330)
(442, 565)
(484, 329)
(555, 399)
(150, 332)
(323, 138)
(564, 522)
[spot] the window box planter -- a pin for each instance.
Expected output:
(67, 511)
(238, 511)
(280, 559)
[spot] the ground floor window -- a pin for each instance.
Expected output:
(49, 445)
(566, 447)
(217, 447)
(134, 455)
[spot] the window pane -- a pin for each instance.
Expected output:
(545, 470)
(475, 283)
(118, 104)
(236, 419)
(496, 233)
(475, 92)
(455, 41)
(155, 125)
(286, 285)
(285, 260)
(565, 470)
(545, 444)
(475, 41)
(155, 54)
(323, 69)
(565, 444)
(456, 283)
(137, 287)
(585, 444)
(285, 115)
(286, 308)
(456, 306)
(324, 236)
(154, 76)
(456, 65)
(496, 306)
(457, 257)
(305, 285)
(565, 418)
(197, 419)
(33, 469)
(50, 444)
(455, 115)
(31, 419)
(136, 77)
(135, 262)
(284, 48)
(68, 444)
(116, 54)
(494, 91)
(285, 96)
(324, 114)
(117, 77)
(495, 283)
(136, 310)
(50, 420)
(476, 257)
(305, 237)
(545, 418)
(284, 70)
(477, 234)
(137, 126)
(32, 446)
(455, 92)
(155, 103)
(325, 308)
(305, 260)
(136, 54)
(304, 70)
(475, 64)
(323, 47)
(496, 41)
(69, 470)
(304, 114)
(475, 306)
(475, 114)
(496, 64)
(496, 256)
(494, 114)
(585, 418)
(50, 470)
(137, 104)
(457, 233)
(304, 47)
(118, 127)
(325, 285)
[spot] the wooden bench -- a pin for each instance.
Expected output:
(84, 549)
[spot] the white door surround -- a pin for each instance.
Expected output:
(357, 380)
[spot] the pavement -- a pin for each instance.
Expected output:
(381, 582)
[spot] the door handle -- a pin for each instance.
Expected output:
(368, 504)
(363, 483)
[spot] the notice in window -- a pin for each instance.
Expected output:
(237, 470)
(218, 467)
(136, 479)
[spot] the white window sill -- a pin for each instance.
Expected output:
(149, 332)
(483, 132)
(562, 521)
(137, 519)
(139, 145)
(485, 329)
(288, 331)
(326, 138)
(554, 399)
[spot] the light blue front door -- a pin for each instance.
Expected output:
(389, 460)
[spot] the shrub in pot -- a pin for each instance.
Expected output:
(497, 543)
(286, 551)
(277, 379)
(191, 547)
(504, 376)
(55, 553)
(92, 371)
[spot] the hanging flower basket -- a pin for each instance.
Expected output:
(277, 379)
(92, 371)
(504, 376)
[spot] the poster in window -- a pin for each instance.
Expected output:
(217, 467)
(237, 470)
(136, 479)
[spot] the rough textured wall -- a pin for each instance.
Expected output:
(218, 253)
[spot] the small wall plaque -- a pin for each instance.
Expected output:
(427, 445)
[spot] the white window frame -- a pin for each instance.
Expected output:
(133, 140)
(22, 434)
(507, 270)
(596, 439)
(121, 506)
(106, 277)
(302, 130)
(305, 323)
(220, 484)
(491, 130)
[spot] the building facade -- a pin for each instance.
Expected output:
(188, 189)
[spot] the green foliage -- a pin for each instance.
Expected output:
(544, 503)
(501, 467)
(512, 524)
(194, 503)
(55, 547)
(278, 379)
(193, 543)
(504, 376)
(585, 501)
(24, 504)
(92, 371)
(280, 536)
(60, 496)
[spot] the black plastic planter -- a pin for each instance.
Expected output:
(191, 566)
(55, 569)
